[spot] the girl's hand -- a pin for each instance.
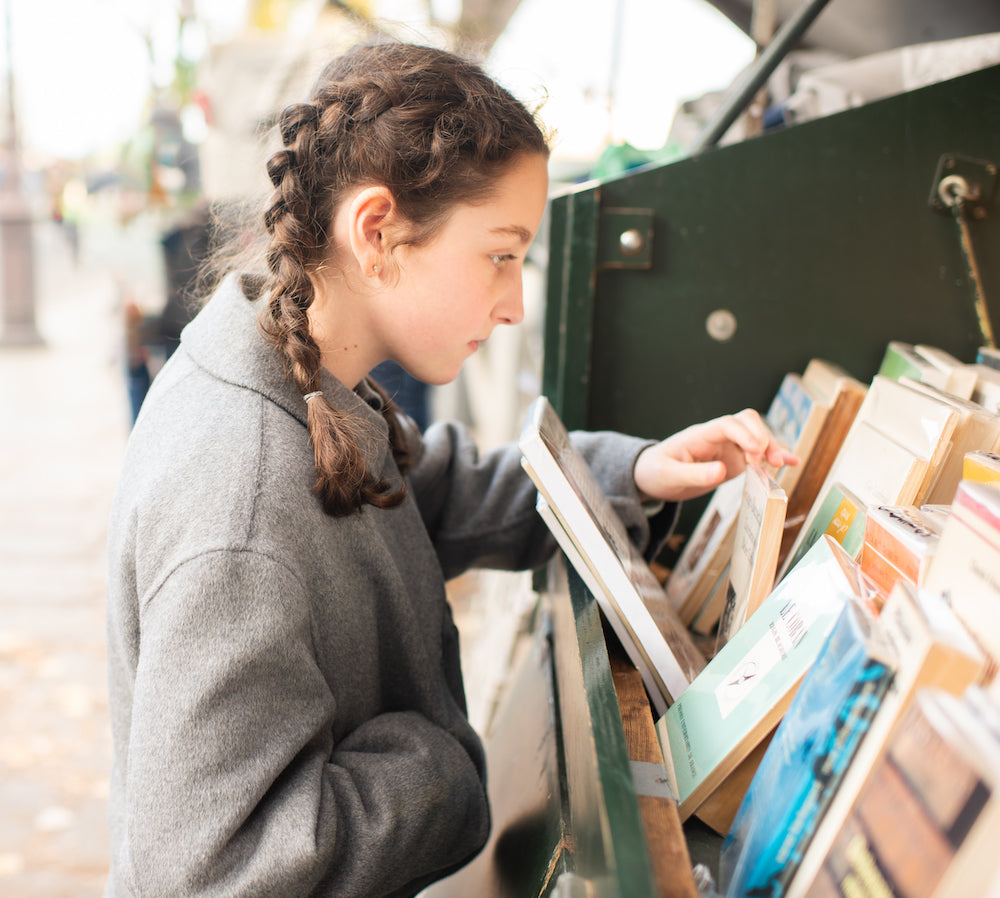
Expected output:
(697, 459)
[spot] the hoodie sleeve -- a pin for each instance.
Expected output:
(480, 509)
(237, 783)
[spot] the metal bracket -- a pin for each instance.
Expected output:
(959, 179)
(625, 238)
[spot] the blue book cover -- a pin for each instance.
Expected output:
(806, 760)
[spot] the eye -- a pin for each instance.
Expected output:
(499, 258)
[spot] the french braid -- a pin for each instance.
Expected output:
(436, 131)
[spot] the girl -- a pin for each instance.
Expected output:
(287, 706)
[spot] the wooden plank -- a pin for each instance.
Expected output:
(664, 834)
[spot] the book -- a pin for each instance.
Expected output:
(706, 621)
(796, 417)
(988, 355)
(893, 450)
(596, 542)
(966, 565)
(810, 753)
(707, 552)
(872, 469)
(929, 365)
(960, 379)
(982, 465)
(844, 394)
(933, 650)
(899, 543)
(744, 690)
(927, 815)
(755, 549)
(975, 868)
(842, 515)
(987, 389)
(975, 428)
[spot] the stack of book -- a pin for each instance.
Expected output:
(854, 600)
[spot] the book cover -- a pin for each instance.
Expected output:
(928, 365)
(981, 465)
(745, 689)
(755, 549)
(987, 389)
(901, 360)
(929, 796)
(872, 468)
(628, 593)
(807, 758)
(877, 470)
(899, 543)
(707, 551)
(841, 515)
(933, 650)
(960, 378)
(845, 395)
(796, 417)
(966, 565)
(975, 428)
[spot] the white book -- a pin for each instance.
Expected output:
(631, 598)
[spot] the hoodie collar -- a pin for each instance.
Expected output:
(226, 340)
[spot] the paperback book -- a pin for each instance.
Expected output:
(744, 690)
(807, 758)
(595, 541)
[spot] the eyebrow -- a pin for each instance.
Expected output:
(522, 234)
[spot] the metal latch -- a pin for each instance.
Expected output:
(625, 238)
(964, 188)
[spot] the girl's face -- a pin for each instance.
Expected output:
(452, 291)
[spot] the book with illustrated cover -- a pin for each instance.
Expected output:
(594, 539)
(925, 824)
(744, 690)
(754, 561)
(796, 417)
(807, 758)
(933, 650)
(841, 515)
(844, 394)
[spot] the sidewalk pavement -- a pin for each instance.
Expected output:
(63, 426)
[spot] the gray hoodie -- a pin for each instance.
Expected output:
(286, 701)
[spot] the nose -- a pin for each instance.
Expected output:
(510, 308)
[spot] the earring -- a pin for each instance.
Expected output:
(376, 269)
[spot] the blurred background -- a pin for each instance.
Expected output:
(123, 124)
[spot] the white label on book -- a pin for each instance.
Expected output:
(752, 667)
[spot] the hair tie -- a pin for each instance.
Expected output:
(313, 395)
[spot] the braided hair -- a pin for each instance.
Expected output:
(436, 131)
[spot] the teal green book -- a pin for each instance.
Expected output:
(743, 692)
(841, 515)
(901, 360)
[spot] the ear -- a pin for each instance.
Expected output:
(371, 213)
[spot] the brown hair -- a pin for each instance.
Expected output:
(436, 131)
